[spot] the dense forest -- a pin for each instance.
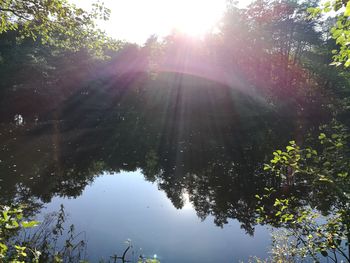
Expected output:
(251, 120)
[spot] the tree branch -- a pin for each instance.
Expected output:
(14, 12)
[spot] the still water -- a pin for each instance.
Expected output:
(173, 165)
(118, 207)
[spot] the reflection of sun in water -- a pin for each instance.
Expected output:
(187, 203)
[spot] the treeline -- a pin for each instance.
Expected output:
(270, 50)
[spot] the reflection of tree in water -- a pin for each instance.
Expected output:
(187, 134)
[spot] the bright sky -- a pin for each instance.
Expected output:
(136, 20)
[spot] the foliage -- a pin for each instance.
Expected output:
(313, 234)
(29, 241)
(123, 258)
(325, 165)
(284, 249)
(326, 170)
(341, 29)
(11, 221)
(39, 243)
(152, 260)
(56, 22)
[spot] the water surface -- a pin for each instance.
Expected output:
(173, 164)
(118, 207)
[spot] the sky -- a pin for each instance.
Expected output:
(136, 20)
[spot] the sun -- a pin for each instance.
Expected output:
(136, 20)
(195, 17)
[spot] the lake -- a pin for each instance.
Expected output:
(172, 164)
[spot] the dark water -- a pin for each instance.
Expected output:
(172, 164)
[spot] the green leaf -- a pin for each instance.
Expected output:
(29, 224)
(290, 148)
(347, 9)
(347, 63)
(322, 136)
(12, 225)
(334, 136)
(343, 174)
(267, 167)
(3, 248)
(5, 216)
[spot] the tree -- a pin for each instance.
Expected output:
(340, 30)
(325, 167)
(55, 22)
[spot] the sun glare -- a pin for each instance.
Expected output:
(195, 17)
(136, 20)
